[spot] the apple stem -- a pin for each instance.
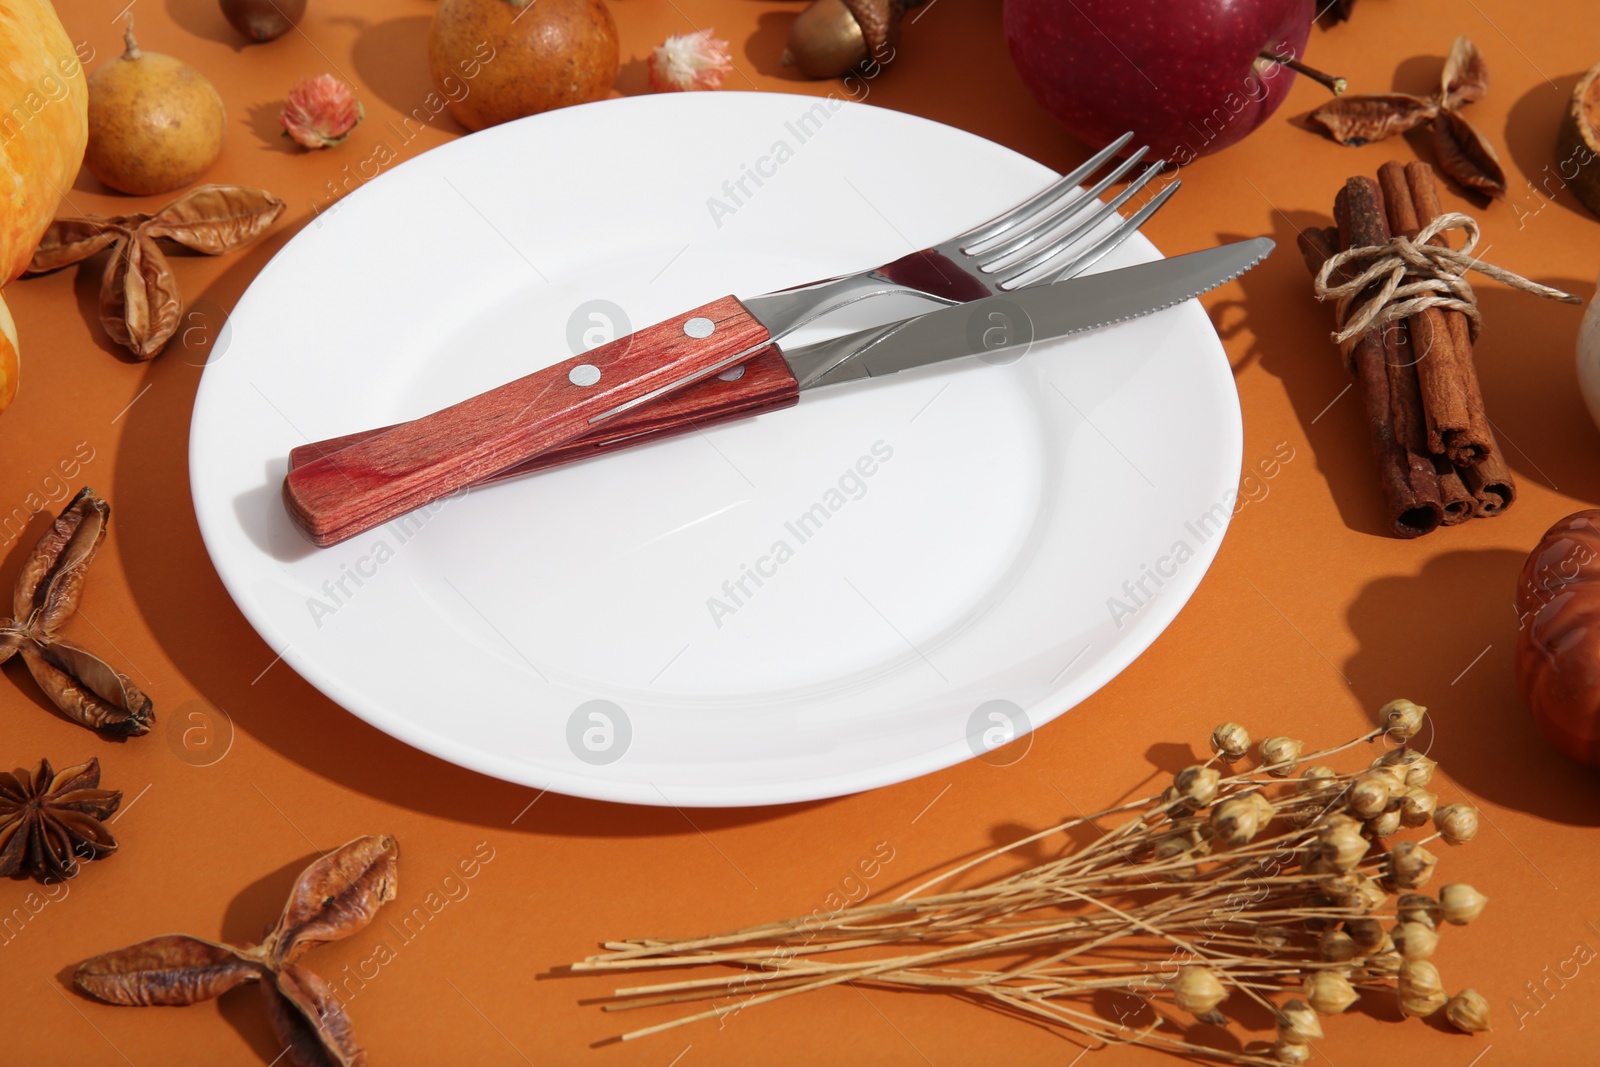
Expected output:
(1335, 85)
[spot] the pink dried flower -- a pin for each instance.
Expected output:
(689, 61)
(321, 112)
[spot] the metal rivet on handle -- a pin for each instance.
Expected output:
(584, 374)
(698, 327)
(732, 374)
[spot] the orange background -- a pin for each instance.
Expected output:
(1309, 620)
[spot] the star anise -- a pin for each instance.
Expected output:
(140, 306)
(81, 684)
(1464, 153)
(334, 897)
(49, 820)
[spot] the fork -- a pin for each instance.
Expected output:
(612, 395)
(993, 257)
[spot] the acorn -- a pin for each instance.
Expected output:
(263, 20)
(831, 38)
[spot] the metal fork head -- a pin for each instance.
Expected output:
(1056, 233)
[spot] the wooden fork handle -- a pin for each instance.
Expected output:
(358, 488)
(764, 383)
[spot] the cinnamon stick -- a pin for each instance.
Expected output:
(1457, 427)
(1459, 502)
(1485, 475)
(1410, 485)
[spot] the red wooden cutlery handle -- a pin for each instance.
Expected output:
(764, 384)
(355, 489)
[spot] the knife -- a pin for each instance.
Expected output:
(645, 390)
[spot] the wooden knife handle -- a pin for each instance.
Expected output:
(764, 384)
(348, 492)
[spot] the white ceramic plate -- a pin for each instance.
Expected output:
(594, 629)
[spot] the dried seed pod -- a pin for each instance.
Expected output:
(1402, 720)
(1272, 938)
(1387, 962)
(1330, 992)
(1337, 946)
(1342, 845)
(1417, 807)
(1460, 903)
(1236, 822)
(1411, 865)
(1386, 825)
(1394, 777)
(1298, 1024)
(1419, 908)
(1420, 987)
(1291, 1054)
(1468, 1011)
(1230, 741)
(1456, 823)
(1279, 755)
(1417, 767)
(1414, 941)
(1197, 989)
(1369, 935)
(1365, 894)
(1265, 809)
(1369, 796)
(1197, 786)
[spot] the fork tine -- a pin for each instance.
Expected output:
(1049, 194)
(1030, 260)
(1078, 264)
(1038, 227)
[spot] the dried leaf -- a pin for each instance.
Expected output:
(68, 241)
(1466, 155)
(88, 689)
(310, 1022)
(217, 218)
(139, 303)
(51, 581)
(171, 969)
(336, 896)
(1466, 75)
(1366, 117)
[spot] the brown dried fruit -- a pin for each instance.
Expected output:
(140, 306)
(50, 820)
(81, 684)
(1578, 140)
(1463, 152)
(1466, 155)
(1364, 117)
(334, 897)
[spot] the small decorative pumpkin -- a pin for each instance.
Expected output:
(42, 138)
(1558, 640)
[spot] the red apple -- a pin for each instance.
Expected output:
(1185, 75)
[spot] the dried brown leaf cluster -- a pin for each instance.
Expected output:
(333, 898)
(1463, 152)
(140, 306)
(81, 684)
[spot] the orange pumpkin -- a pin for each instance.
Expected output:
(43, 129)
(1558, 636)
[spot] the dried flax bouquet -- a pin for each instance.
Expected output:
(1280, 886)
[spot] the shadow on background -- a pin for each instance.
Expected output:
(1483, 736)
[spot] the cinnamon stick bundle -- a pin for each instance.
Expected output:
(1438, 461)
(1390, 396)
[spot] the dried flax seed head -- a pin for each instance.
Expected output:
(1230, 741)
(1198, 990)
(1342, 845)
(1414, 940)
(1386, 825)
(1421, 989)
(1460, 903)
(1402, 720)
(1369, 796)
(1279, 755)
(1330, 992)
(1197, 786)
(1298, 1024)
(1468, 1011)
(1411, 865)
(1236, 822)
(1456, 823)
(1338, 946)
(1420, 908)
(1417, 807)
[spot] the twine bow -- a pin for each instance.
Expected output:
(1416, 275)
